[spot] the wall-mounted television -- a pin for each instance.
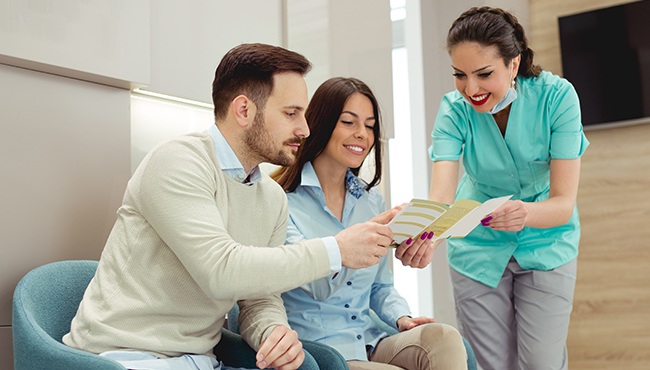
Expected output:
(606, 56)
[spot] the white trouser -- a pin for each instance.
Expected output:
(144, 361)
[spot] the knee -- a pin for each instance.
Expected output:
(445, 345)
(442, 335)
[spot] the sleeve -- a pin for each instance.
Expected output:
(176, 190)
(258, 317)
(448, 131)
(568, 140)
(387, 303)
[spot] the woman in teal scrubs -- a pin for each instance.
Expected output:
(519, 131)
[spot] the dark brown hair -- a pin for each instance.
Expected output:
(494, 27)
(248, 69)
(322, 116)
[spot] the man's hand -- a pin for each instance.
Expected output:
(387, 216)
(417, 253)
(405, 323)
(362, 245)
(281, 350)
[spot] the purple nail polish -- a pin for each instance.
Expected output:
(486, 220)
(430, 235)
(409, 241)
(424, 235)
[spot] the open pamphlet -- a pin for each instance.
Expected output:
(446, 221)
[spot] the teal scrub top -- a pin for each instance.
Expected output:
(544, 124)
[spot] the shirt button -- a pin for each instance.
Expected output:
(347, 305)
(359, 336)
(354, 317)
(349, 283)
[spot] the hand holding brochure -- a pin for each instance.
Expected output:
(446, 221)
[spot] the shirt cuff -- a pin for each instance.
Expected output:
(334, 253)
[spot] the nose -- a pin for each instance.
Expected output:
(361, 132)
(302, 131)
(471, 86)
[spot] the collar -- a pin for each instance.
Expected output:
(353, 184)
(229, 162)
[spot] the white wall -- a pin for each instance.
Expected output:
(66, 70)
(103, 41)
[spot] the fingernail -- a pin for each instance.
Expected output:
(486, 220)
(424, 235)
(409, 241)
(262, 365)
(430, 235)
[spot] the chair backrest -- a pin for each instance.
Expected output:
(45, 301)
(48, 296)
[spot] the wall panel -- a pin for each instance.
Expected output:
(610, 323)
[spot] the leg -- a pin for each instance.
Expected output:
(425, 347)
(486, 318)
(543, 301)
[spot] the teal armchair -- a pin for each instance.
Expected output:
(44, 303)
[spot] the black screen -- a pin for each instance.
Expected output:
(606, 56)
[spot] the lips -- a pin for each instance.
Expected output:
(479, 99)
(354, 148)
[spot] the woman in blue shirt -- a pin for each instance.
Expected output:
(325, 196)
(519, 132)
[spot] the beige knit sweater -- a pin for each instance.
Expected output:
(188, 243)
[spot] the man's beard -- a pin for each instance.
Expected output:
(261, 144)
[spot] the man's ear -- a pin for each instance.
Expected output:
(243, 110)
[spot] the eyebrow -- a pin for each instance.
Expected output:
(356, 115)
(297, 107)
(475, 71)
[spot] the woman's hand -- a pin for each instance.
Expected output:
(417, 253)
(511, 216)
(406, 323)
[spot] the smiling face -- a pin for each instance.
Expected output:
(353, 136)
(481, 75)
(276, 133)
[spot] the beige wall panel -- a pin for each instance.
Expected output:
(610, 324)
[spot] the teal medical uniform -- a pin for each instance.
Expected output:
(544, 124)
(514, 290)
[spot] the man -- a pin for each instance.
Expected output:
(201, 228)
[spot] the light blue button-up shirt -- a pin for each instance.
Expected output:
(544, 124)
(335, 310)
